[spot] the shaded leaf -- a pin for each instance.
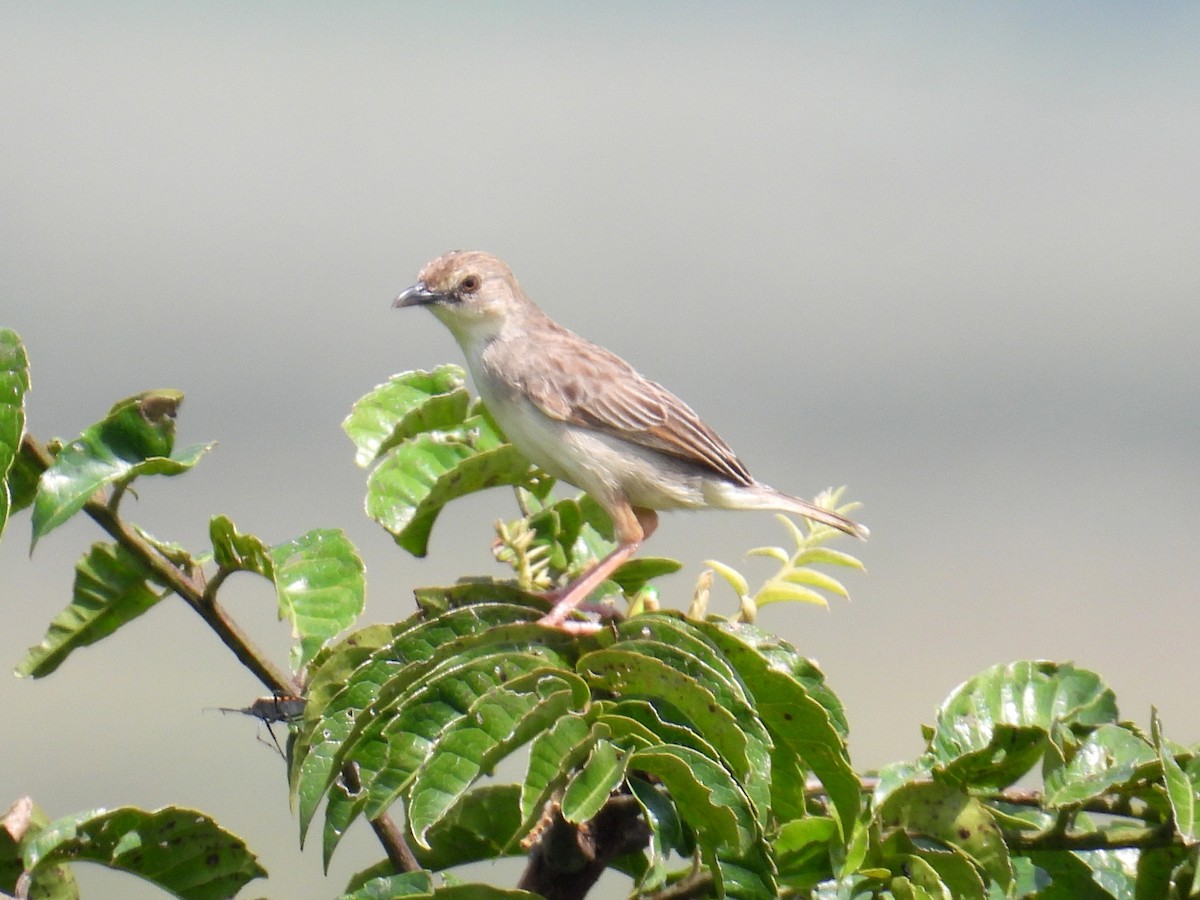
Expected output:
(14, 383)
(406, 405)
(484, 824)
(951, 816)
(552, 756)
(111, 589)
(135, 438)
(589, 788)
(180, 850)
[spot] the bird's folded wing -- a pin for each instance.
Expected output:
(584, 384)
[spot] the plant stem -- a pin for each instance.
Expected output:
(202, 599)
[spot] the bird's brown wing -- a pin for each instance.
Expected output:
(579, 382)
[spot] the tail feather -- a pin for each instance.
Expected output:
(760, 496)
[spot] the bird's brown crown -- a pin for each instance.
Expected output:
(446, 273)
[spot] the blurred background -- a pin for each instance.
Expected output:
(945, 254)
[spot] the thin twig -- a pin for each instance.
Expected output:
(201, 597)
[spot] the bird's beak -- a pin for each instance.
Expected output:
(417, 295)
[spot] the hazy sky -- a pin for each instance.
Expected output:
(943, 253)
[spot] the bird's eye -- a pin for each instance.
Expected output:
(469, 284)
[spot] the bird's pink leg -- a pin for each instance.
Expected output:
(633, 525)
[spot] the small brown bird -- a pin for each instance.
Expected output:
(585, 416)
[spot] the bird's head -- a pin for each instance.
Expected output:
(471, 292)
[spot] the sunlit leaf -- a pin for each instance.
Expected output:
(135, 438)
(794, 718)
(406, 405)
(235, 551)
(111, 588)
(1111, 755)
(319, 579)
(1182, 790)
(180, 850)
(994, 727)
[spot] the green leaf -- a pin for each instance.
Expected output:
(484, 824)
(801, 850)
(1182, 791)
(415, 480)
(994, 727)
(1110, 756)
(180, 850)
(110, 589)
(503, 717)
(19, 824)
(795, 718)
(319, 579)
(347, 683)
(946, 814)
(667, 834)
(14, 383)
(627, 672)
(552, 756)
(385, 887)
(589, 788)
(135, 438)
(239, 552)
(633, 575)
(408, 404)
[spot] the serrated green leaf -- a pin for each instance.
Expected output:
(347, 682)
(711, 802)
(636, 673)
(180, 850)
(1074, 875)
(385, 683)
(795, 718)
(319, 580)
(705, 794)
(135, 438)
(994, 727)
(667, 834)
(408, 489)
(111, 588)
(589, 788)
(239, 552)
(406, 405)
(14, 383)
(552, 756)
(503, 717)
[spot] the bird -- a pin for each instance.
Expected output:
(587, 417)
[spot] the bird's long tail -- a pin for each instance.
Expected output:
(787, 503)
